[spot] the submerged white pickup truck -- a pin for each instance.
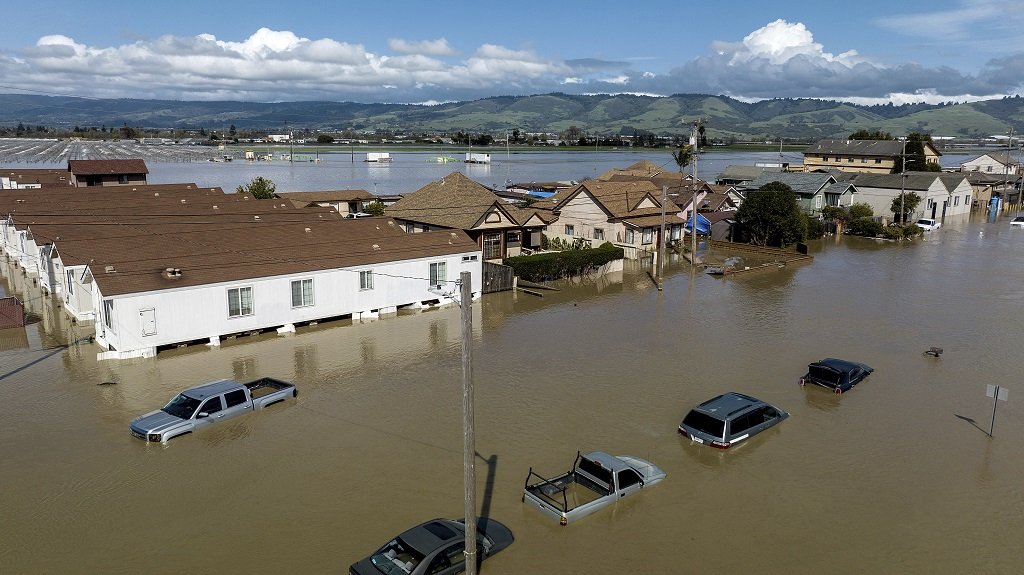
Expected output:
(205, 404)
(595, 481)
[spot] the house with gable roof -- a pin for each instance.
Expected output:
(456, 202)
(993, 163)
(342, 201)
(942, 194)
(813, 190)
(627, 214)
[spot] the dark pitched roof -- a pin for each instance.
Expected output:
(326, 196)
(885, 148)
(102, 167)
(802, 183)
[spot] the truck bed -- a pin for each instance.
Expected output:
(267, 391)
(566, 492)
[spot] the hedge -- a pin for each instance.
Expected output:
(553, 265)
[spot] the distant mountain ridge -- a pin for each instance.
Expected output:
(606, 115)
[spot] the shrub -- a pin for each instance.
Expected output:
(553, 265)
(867, 227)
(815, 229)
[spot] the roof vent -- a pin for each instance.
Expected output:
(155, 194)
(216, 207)
(376, 246)
(109, 269)
(256, 217)
(183, 200)
(172, 273)
(308, 230)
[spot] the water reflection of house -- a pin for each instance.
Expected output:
(457, 202)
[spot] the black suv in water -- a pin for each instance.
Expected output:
(728, 419)
(838, 375)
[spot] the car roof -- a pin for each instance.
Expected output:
(839, 364)
(1019, 219)
(728, 404)
(428, 536)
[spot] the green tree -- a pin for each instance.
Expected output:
(866, 135)
(260, 188)
(324, 139)
(683, 156)
(914, 155)
(861, 210)
(232, 130)
(772, 216)
(374, 208)
(909, 203)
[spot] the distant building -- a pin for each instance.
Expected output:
(87, 173)
(992, 163)
(279, 137)
(869, 156)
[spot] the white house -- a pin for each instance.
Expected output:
(992, 163)
(942, 194)
(213, 285)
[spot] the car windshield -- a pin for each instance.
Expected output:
(396, 558)
(705, 423)
(1019, 219)
(181, 406)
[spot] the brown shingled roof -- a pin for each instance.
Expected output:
(101, 167)
(455, 202)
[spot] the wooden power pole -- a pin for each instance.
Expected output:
(469, 437)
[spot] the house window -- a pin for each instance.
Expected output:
(956, 200)
(472, 258)
(513, 238)
(122, 179)
(302, 293)
(410, 228)
(70, 278)
(492, 246)
(569, 230)
(629, 236)
(438, 273)
(366, 280)
(967, 199)
(677, 232)
(598, 234)
(648, 236)
(824, 158)
(426, 228)
(849, 160)
(108, 313)
(878, 160)
(817, 201)
(240, 302)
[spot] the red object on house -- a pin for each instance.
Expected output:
(12, 313)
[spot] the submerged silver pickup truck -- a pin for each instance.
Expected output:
(595, 481)
(205, 404)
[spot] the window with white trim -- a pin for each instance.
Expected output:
(569, 230)
(648, 236)
(108, 313)
(438, 273)
(302, 293)
(629, 236)
(240, 301)
(366, 280)
(69, 286)
(598, 234)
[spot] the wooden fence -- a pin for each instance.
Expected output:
(497, 277)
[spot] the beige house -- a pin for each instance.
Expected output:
(456, 202)
(992, 163)
(867, 156)
(627, 214)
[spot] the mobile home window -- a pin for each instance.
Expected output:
(108, 313)
(366, 280)
(438, 273)
(240, 302)
(302, 293)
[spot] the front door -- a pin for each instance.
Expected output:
(148, 319)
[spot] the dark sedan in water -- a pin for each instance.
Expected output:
(839, 375)
(435, 547)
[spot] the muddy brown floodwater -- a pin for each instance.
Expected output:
(896, 476)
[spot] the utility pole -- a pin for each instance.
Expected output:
(693, 195)
(903, 181)
(661, 236)
(468, 435)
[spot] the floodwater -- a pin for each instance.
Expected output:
(896, 476)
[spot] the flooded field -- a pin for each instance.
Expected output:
(896, 476)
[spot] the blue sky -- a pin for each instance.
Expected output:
(403, 51)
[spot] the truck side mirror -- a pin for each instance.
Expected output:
(203, 414)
